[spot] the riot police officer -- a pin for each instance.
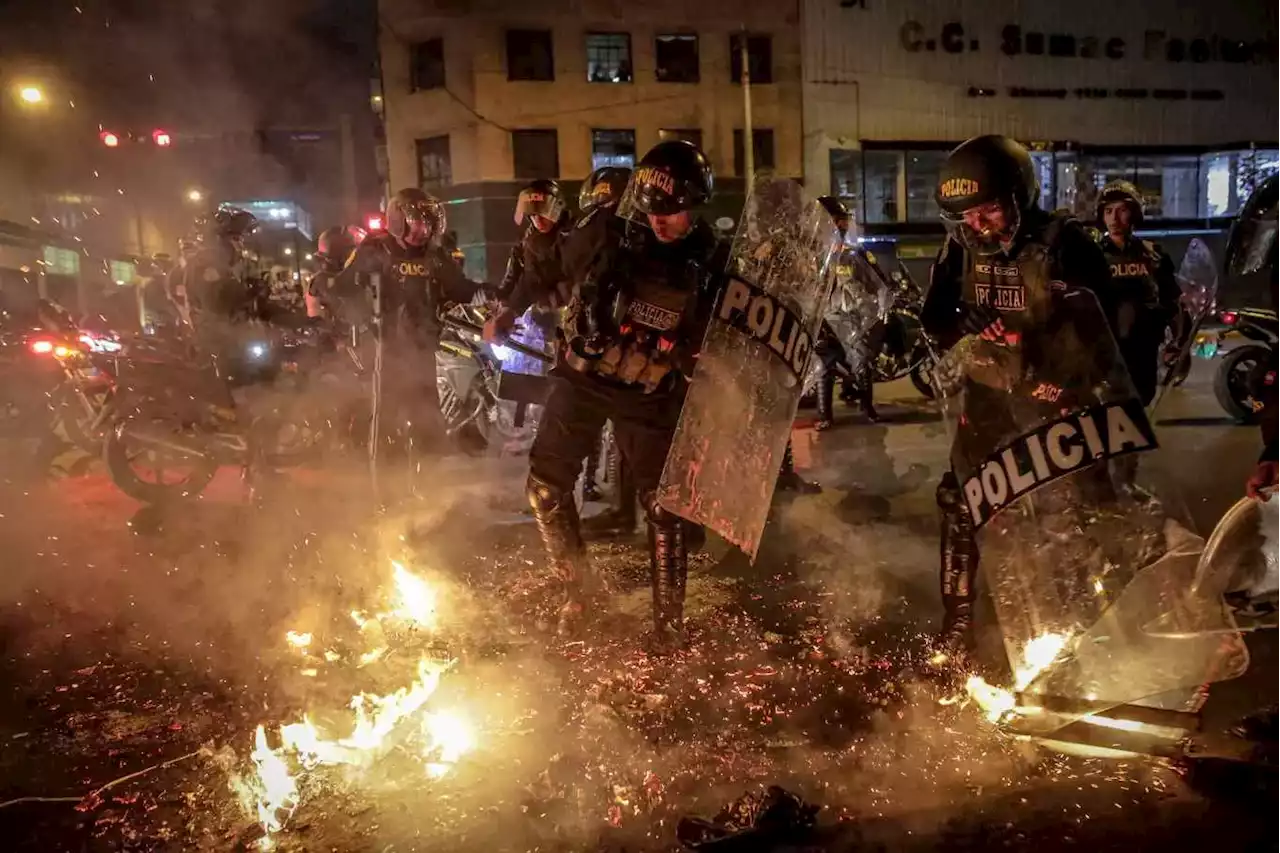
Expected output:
(1000, 258)
(210, 286)
(333, 249)
(645, 283)
(1144, 292)
(535, 276)
(418, 279)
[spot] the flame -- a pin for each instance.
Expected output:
(298, 639)
(997, 703)
(417, 601)
(272, 792)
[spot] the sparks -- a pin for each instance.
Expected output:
(298, 639)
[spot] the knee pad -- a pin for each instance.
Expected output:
(543, 496)
(948, 495)
(658, 516)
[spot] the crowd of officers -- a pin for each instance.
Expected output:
(626, 289)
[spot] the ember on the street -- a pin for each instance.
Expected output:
(576, 426)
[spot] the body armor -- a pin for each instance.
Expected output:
(1133, 283)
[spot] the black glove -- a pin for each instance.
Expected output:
(975, 318)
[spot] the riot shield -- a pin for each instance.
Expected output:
(736, 421)
(1198, 280)
(860, 298)
(1078, 559)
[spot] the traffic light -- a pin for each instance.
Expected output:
(109, 139)
(161, 138)
(375, 222)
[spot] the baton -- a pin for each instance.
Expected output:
(523, 349)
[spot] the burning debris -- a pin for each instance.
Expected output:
(377, 722)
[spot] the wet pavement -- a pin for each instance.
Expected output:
(130, 641)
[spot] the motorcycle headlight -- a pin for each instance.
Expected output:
(258, 350)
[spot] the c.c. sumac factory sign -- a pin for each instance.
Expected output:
(1155, 45)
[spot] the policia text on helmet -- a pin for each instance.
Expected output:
(984, 190)
(669, 182)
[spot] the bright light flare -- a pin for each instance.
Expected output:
(31, 95)
(195, 196)
(449, 737)
(417, 600)
(997, 703)
(298, 639)
(109, 139)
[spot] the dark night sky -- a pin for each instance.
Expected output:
(200, 63)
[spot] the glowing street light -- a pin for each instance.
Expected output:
(195, 196)
(161, 138)
(31, 95)
(288, 251)
(109, 139)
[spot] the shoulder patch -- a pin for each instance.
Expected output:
(582, 223)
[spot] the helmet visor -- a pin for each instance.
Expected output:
(538, 203)
(423, 222)
(986, 228)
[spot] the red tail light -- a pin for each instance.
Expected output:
(40, 347)
(1228, 317)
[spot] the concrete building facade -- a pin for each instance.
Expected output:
(481, 97)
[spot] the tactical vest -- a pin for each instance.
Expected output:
(652, 323)
(1133, 283)
(1017, 285)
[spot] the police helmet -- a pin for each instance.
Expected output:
(335, 245)
(837, 210)
(415, 218)
(1120, 191)
(540, 198)
(230, 222)
(674, 176)
(985, 170)
(603, 187)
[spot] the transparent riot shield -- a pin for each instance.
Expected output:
(860, 298)
(1198, 280)
(736, 421)
(1078, 559)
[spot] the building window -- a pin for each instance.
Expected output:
(1168, 185)
(922, 181)
(676, 58)
(608, 58)
(427, 65)
(1074, 186)
(687, 134)
(880, 173)
(613, 148)
(1042, 162)
(530, 55)
(845, 165)
(535, 154)
(759, 58)
(762, 149)
(435, 165)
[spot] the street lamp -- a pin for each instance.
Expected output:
(195, 196)
(288, 250)
(31, 95)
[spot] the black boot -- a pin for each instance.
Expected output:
(619, 520)
(958, 564)
(789, 480)
(866, 397)
(590, 491)
(557, 519)
(668, 573)
(826, 413)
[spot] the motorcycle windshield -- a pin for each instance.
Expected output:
(1046, 429)
(1197, 278)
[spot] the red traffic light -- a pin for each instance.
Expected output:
(161, 138)
(109, 139)
(375, 223)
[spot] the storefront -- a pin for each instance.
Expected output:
(1181, 101)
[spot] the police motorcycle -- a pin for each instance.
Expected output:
(905, 351)
(181, 413)
(88, 360)
(475, 379)
(1079, 561)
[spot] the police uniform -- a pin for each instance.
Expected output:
(1144, 294)
(1020, 285)
(634, 377)
(417, 282)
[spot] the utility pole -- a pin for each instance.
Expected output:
(748, 143)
